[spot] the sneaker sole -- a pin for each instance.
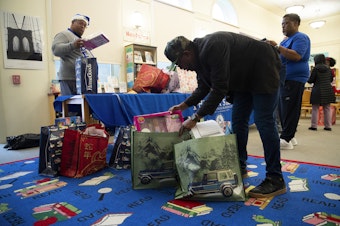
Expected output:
(259, 195)
(286, 148)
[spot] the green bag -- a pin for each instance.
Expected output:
(152, 159)
(209, 169)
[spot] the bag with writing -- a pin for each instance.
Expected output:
(84, 152)
(86, 75)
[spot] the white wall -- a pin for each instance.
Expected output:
(24, 108)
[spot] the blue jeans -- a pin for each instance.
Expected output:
(264, 106)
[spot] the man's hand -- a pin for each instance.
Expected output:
(78, 43)
(179, 107)
(187, 126)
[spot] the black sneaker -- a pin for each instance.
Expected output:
(269, 187)
(312, 128)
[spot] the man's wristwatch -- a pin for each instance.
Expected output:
(195, 118)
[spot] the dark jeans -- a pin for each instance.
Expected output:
(264, 106)
(290, 107)
(68, 87)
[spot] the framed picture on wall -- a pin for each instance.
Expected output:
(22, 41)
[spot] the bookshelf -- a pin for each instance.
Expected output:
(135, 56)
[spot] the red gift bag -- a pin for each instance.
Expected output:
(84, 152)
(150, 79)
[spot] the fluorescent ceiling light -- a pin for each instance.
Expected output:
(294, 9)
(317, 24)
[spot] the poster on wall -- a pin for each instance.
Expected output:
(22, 41)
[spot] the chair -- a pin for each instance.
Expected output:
(306, 106)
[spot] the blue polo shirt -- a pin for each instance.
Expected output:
(297, 70)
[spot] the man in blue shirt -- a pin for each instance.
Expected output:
(294, 53)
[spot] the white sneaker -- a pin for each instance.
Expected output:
(284, 145)
(294, 141)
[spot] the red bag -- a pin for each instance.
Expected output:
(84, 152)
(150, 79)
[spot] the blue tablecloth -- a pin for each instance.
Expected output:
(118, 109)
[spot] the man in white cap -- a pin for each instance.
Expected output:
(68, 45)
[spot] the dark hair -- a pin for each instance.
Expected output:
(332, 61)
(293, 17)
(319, 59)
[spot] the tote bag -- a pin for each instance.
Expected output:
(153, 163)
(208, 169)
(84, 152)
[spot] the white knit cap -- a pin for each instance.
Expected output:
(82, 17)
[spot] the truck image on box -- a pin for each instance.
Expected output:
(223, 181)
(166, 171)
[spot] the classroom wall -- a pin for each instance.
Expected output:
(24, 108)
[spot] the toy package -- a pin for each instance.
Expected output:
(159, 122)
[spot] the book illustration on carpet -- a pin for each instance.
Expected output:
(54, 212)
(112, 219)
(97, 180)
(76, 204)
(187, 208)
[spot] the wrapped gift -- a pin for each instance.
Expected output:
(150, 79)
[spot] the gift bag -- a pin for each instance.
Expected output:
(150, 79)
(51, 143)
(84, 152)
(121, 149)
(152, 163)
(86, 75)
(208, 169)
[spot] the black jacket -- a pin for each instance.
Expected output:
(322, 91)
(229, 62)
